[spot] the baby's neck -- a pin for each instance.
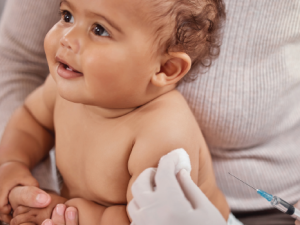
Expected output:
(107, 113)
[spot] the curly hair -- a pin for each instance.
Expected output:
(197, 30)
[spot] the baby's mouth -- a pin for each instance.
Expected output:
(66, 71)
(67, 67)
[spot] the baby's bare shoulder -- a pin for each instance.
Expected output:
(167, 124)
(169, 112)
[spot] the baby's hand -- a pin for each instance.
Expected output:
(63, 216)
(24, 214)
(12, 174)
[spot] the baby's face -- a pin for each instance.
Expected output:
(101, 52)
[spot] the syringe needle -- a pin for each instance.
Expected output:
(243, 182)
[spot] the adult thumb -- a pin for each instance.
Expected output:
(191, 191)
(29, 196)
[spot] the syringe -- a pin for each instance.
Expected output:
(277, 202)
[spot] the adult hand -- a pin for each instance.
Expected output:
(30, 214)
(297, 205)
(173, 201)
(13, 174)
(29, 196)
(63, 216)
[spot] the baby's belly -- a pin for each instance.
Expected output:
(102, 178)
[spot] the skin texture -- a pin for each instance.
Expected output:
(112, 120)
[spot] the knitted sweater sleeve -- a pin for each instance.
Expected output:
(23, 64)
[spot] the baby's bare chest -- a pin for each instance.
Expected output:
(92, 157)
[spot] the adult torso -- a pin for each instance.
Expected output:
(248, 105)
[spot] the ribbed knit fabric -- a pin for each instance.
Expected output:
(23, 64)
(247, 105)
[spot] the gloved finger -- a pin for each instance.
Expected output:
(132, 209)
(20, 210)
(144, 182)
(165, 175)
(29, 196)
(58, 214)
(143, 187)
(71, 216)
(191, 191)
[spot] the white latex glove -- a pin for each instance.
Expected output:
(159, 198)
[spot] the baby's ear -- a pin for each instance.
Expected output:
(173, 68)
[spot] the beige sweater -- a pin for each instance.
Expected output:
(247, 105)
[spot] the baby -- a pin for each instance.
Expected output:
(110, 105)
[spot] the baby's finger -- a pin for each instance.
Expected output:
(48, 222)
(21, 210)
(71, 216)
(58, 215)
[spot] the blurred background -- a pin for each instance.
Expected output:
(2, 3)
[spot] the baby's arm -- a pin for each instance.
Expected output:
(155, 142)
(26, 140)
(29, 134)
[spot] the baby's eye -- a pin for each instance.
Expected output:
(67, 16)
(100, 31)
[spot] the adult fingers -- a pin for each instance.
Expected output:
(20, 210)
(29, 196)
(165, 174)
(28, 224)
(191, 191)
(71, 216)
(132, 209)
(144, 182)
(6, 218)
(143, 187)
(5, 207)
(58, 214)
(22, 219)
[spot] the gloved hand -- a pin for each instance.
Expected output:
(161, 198)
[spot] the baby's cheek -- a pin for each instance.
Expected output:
(52, 42)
